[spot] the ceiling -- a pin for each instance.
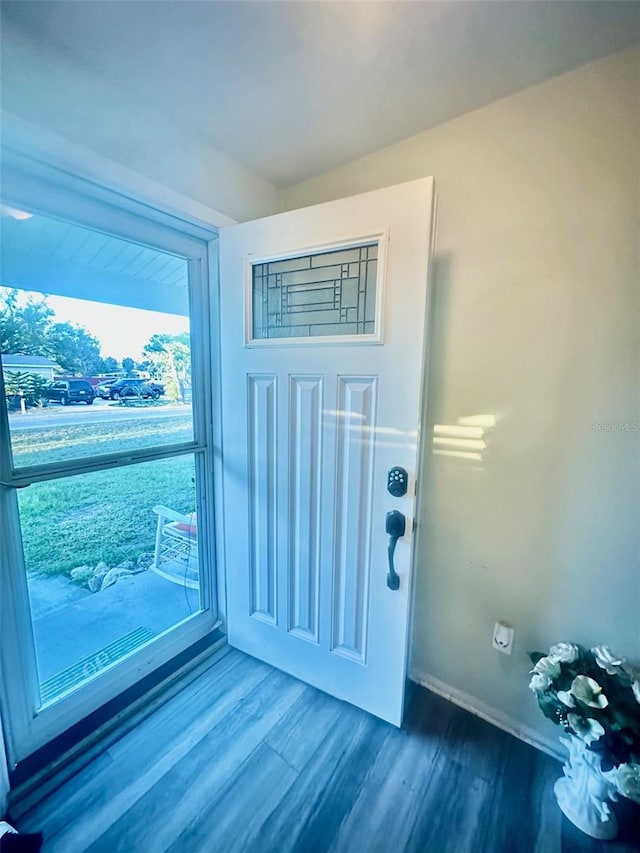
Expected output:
(47, 255)
(290, 89)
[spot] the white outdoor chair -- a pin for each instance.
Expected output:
(176, 554)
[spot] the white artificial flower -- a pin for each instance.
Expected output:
(564, 652)
(628, 781)
(566, 698)
(636, 690)
(546, 666)
(588, 690)
(585, 727)
(539, 682)
(606, 660)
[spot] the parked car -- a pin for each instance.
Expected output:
(70, 391)
(103, 388)
(145, 388)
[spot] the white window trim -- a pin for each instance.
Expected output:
(96, 205)
(28, 146)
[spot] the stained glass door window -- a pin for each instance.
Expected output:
(322, 294)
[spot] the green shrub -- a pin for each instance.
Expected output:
(27, 386)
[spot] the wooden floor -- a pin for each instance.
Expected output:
(248, 759)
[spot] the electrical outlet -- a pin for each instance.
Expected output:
(503, 638)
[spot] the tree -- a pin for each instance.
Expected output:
(74, 349)
(27, 328)
(24, 327)
(108, 365)
(128, 365)
(169, 357)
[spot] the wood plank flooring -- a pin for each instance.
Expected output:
(249, 760)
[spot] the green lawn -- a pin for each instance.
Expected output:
(107, 515)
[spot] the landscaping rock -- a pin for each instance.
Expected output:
(81, 574)
(99, 573)
(103, 576)
(144, 561)
(95, 583)
(113, 576)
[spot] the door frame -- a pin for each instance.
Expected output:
(26, 182)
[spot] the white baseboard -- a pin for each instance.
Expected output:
(502, 721)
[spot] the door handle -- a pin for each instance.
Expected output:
(395, 526)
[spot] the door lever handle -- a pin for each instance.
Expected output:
(395, 526)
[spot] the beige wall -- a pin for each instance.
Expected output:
(536, 321)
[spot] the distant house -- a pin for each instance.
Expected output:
(37, 364)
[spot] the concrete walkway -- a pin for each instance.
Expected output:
(71, 624)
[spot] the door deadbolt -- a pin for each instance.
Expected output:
(397, 482)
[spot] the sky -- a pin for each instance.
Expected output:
(122, 332)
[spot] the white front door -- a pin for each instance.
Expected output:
(323, 318)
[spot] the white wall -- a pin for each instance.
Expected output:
(537, 287)
(46, 87)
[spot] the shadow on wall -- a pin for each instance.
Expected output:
(438, 329)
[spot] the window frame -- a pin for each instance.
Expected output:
(27, 728)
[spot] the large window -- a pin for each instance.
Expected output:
(105, 452)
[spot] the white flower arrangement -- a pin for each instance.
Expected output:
(606, 660)
(627, 781)
(595, 696)
(564, 652)
(588, 690)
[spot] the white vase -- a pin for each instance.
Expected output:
(583, 792)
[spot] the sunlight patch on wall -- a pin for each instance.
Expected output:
(464, 440)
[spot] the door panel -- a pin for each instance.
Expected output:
(353, 515)
(262, 470)
(318, 405)
(305, 459)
